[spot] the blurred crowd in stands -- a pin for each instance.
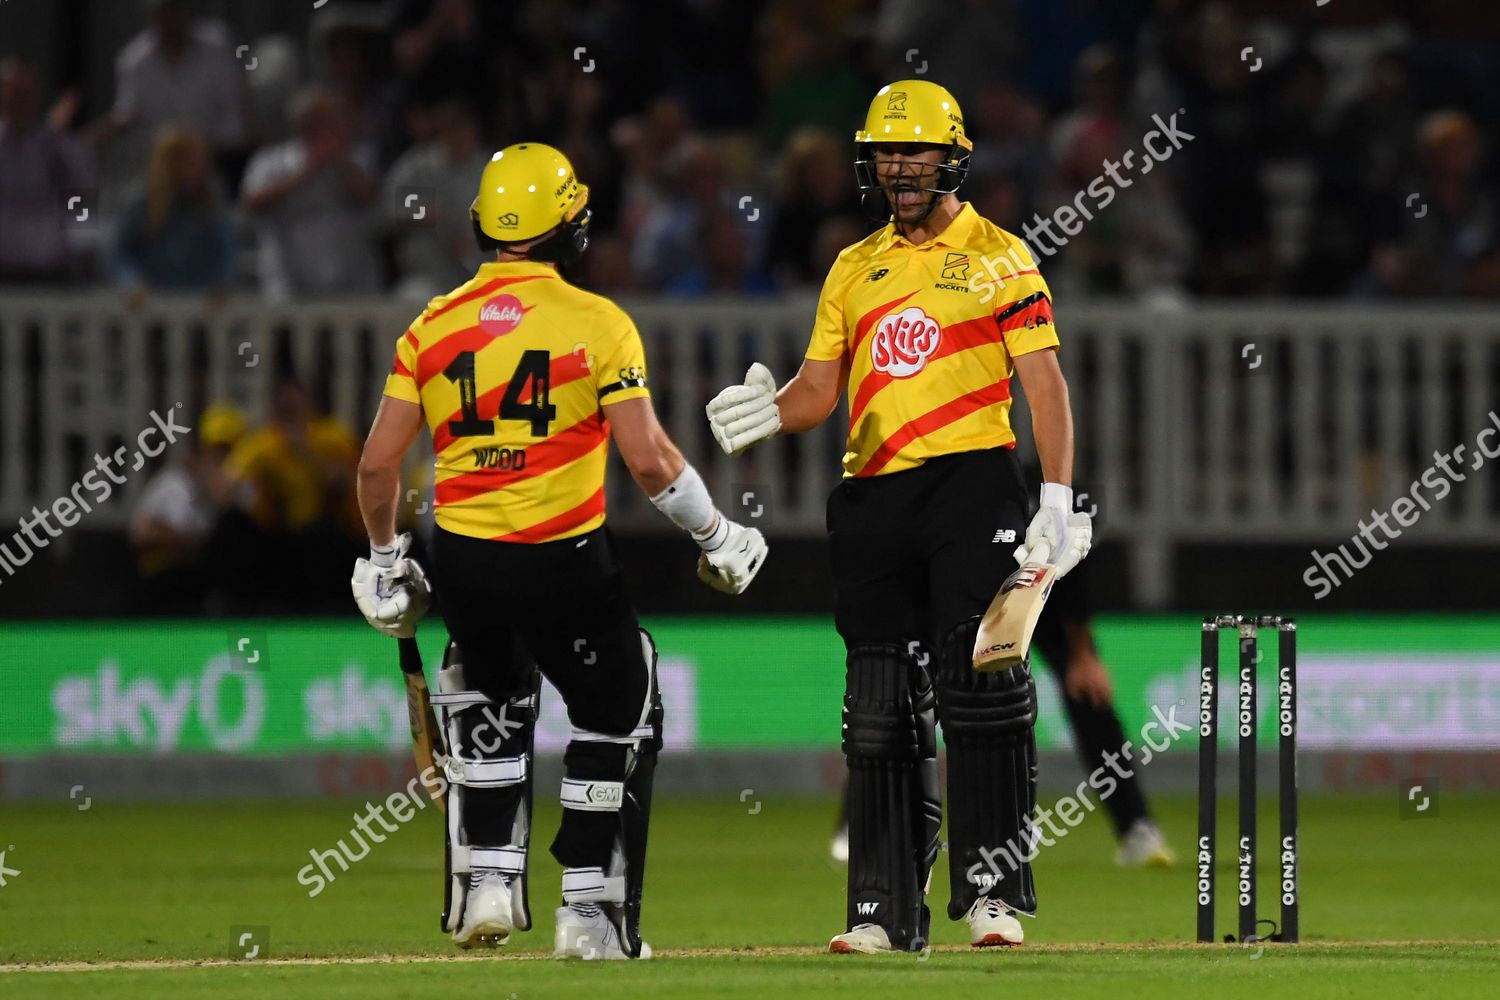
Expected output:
(1335, 152)
(214, 528)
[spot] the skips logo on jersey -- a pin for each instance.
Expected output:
(903, 342)
(500, 315)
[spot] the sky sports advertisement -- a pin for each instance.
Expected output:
(268, 688)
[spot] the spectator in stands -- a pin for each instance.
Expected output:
(349, 40)
(292, 485)
(177, 236)
(1221, 167)
(1091, 263)
(965, 49)
(814, 184)
(666, 245)
(308, 199)
(1011, 130)
(447, 49)
(42, 165)
(1157, 254)
(297, 472)
(606, 267)
(1368, 155)
(646, 144)
(834, 234)
(175, 73)
(1453, 248)
(1099, 98)
(179, 507)
(723, 264)
(436, 181)
(809, 78)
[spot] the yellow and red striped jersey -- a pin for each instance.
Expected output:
(512, 370)
(931, 332)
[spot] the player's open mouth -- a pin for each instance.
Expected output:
(906, 197)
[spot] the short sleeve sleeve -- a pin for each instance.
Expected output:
(829, 337)
(620, 371)
(1025, 316)
(402, 381)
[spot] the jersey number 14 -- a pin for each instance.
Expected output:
(535, 368)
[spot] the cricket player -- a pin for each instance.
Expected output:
(924, 527)
(521, 378)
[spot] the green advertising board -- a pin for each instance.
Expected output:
(264, 688)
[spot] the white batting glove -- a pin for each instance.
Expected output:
(731, 566)
(745, 415)
(391, 590)
(1057, 534)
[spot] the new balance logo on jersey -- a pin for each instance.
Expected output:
(866, 909)
(1003, 535)
(878, 273)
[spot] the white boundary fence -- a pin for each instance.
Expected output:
(1235, 424)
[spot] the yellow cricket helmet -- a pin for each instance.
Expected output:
(528, 190)
(914, 111)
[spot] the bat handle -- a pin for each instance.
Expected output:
(411, 656)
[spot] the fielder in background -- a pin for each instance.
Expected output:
(923, 529)
(1066, 641)
(521, 377)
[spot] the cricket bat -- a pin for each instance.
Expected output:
(426, 739)
(1005, 631)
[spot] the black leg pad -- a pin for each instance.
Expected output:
(989, 722)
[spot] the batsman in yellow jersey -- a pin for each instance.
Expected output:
(925, 525)
(521, 378)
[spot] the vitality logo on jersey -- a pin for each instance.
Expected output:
(903, 341)
(500, 315)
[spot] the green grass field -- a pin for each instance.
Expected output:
(739, 902)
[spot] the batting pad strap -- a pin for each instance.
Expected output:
(590, 885)
(487, 773)
(468, 699)
(460, 699)
(510, 860)
(592, 796)
(642, 732)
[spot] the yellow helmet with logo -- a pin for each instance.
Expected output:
(528, 190)
(914, 111)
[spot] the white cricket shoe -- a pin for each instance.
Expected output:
(865, 939)
(992, 924)
(588, 937)
(1144, 847)
(838, 849)
(487, 918)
